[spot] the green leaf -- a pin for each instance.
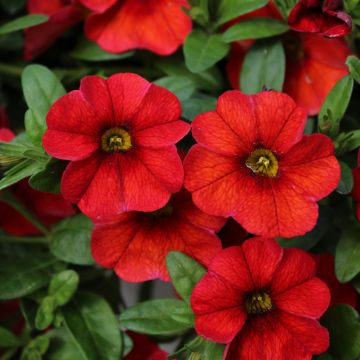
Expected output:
(62, 346)
(193, 107)
(158, 317)
(70, 240)
(181, 86)
(23, 23)
(185, 273)
(353, 64)
(49, 179)
(41, 89)
(93, 326)
(19, 277)
(230, 9)
(343, 324)
(127, 344)
(202, 50)
(264, 65)
(346, 182)
(45, 313)
(8, 339)
(208, 350)
(347, 256)
(346, 142)
(255, 29)
(90, 51)
(36, 348)
(63, 286)
(335, 105)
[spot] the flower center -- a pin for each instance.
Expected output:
(167, 210)
(116, 139)
(258, 303)
(263, 162)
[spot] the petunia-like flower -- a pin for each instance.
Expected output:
(356, 188)
(160, 26)
(323, 17)
(119, 135)
(63, 14)
(263, 302)
(313, 64)
(340, 293)
(253, 163)
(49, 208)
(144, 349)
(135, 244)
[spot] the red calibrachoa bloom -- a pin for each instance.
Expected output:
(356, 189)
(135, 244)
(340, 293)
(253, 163)
(263, 301)
(160, 26)
(119, 135)
(323, 17)
(63, 14)
(313, 64)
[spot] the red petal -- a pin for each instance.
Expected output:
(287, 130)
(309, 299)
(157, 25)
(6, 135)
(98, 5)
(295, 268)
(311, 167)
(219, 315)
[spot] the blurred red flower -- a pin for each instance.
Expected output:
(160, 26)
(253, 163)
(356, 189)
(263, 301)
(63, 14)
(313, 63)
(119, 135)
(323, 17)
(340, 293)
(135, 244)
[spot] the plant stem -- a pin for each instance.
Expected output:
(12, 70)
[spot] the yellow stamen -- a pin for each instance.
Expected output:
(263, 162)
(115, 140)
(258, 303)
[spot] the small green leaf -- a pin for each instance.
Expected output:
(70, 240)
(181, 86)
(36, 348)
(185, 273)
(158, 317)
(63, 286)
(230, 9)
(264, 66)
(347, 141)
(202, 50)
(347, 256)
(255, 29)
(343, 324)
(45, 313)
(23, 23)
(8, 339)
(346, 182)
(353, 64)
(93, 326)
(90, 51)
(335, 105)
(193, 107)
(127, 344)
(62, 346)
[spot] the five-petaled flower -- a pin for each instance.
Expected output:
(119, 135)
(263, 302)
(160, 26)
(356, 188)
(252, 162)
(135, 244)
(323, 17)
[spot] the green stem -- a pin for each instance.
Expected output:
(24, 240)
(12, 70)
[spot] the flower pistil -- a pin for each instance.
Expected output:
(115, 140)
(263, 162)
(258, 303)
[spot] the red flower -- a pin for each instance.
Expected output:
(323, 17)
(144, 349)
(313, 66)
(253, 163)
(63, 14)
(119, 135)
(340, 293)
(160, 26)
(135, 244)
(263, 302)
(356, 189)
